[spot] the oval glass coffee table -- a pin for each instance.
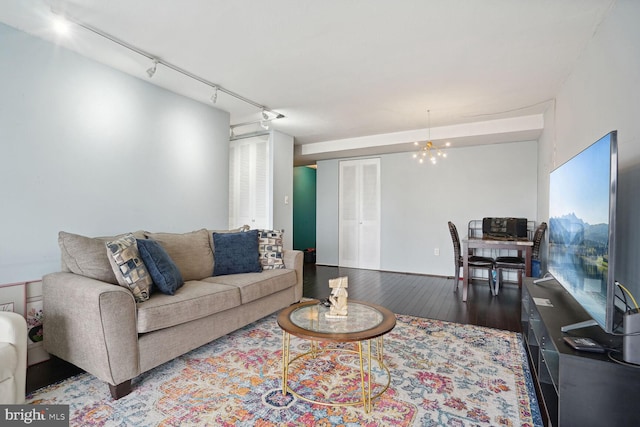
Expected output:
(365, 323)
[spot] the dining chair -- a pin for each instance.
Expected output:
(519, 263)
(474, 230)
(474, 261)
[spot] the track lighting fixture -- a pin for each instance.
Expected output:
(214, 97)
(258, 127)
(151, 71)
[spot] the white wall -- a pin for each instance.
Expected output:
(603, 94)
(90, 150)
(418, 200)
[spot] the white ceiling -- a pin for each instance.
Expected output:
(340, 70)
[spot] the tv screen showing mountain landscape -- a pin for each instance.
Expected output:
(579, 197)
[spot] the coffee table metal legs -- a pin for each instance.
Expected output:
(285, 360)
(315, 350)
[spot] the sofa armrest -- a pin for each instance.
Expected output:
(91, 324)
(294, 260)
(13, 330)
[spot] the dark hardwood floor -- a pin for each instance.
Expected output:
(422, 296)
(412, 294)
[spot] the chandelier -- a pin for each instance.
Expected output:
(428, 150)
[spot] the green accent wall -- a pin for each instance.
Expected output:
(304, 207)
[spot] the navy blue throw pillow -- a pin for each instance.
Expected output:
(236, 253)
(163, 271)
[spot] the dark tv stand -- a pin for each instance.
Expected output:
(574, 388)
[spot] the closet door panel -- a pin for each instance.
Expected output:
(349, 215)
(369, 238)
(359, 214)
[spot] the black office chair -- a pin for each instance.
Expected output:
(474, 261)
(519, 263)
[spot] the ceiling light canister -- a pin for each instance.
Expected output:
(151, 71)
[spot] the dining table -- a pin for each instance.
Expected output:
(522, 245)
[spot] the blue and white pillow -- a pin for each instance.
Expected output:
(128, 267)
(271, 249)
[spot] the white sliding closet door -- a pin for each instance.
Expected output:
(359, 214)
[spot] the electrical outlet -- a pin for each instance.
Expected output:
(436, 251)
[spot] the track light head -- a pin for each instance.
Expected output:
(61, 26)
(214, 97)
(265, 116)
(151, 71)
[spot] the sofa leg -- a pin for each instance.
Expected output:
(120, 390)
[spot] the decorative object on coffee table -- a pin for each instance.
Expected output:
(338, 298)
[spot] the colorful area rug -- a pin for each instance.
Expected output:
(442, 374)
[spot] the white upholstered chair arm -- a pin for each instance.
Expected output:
(13, 330)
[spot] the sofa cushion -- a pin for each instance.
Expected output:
(128, 266)
(254, 286)
(194, 300)
(164, 272)
(271, 249)
(86, 256)
(236, 253)
(191, 252)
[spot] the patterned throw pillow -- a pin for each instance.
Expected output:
(270, 249)
(128, 267)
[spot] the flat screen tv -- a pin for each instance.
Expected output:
(582, 219)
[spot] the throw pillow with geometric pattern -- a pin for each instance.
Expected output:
(128, 267)
(271, 249)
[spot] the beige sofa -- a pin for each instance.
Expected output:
(98, 326)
